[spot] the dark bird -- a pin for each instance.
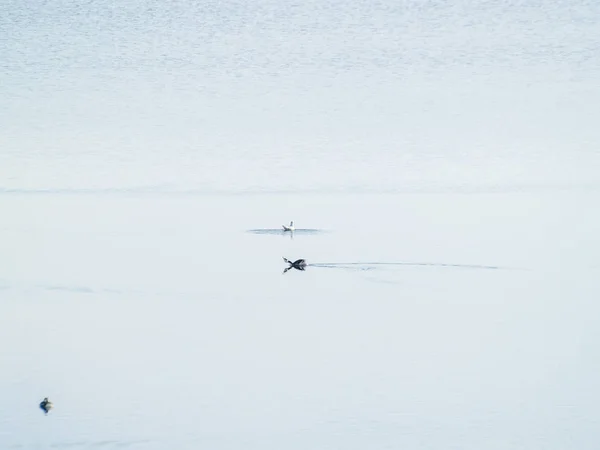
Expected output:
(299, 264)
(46, 405)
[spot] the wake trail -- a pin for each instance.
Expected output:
(372, 265)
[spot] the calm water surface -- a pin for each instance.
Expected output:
(433, 321)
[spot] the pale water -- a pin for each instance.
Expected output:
(441, 163)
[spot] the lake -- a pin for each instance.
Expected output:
(440, 163)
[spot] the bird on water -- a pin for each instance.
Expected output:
(46, 405)
(299, 264)
(289, 227)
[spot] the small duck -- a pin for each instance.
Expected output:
(299, 264)
(290, 227)
(46, 405)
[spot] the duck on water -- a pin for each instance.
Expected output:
(289, 227)
(299, 264)
(46, 405)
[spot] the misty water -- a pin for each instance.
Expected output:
(440, 161)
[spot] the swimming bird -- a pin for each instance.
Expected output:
(290, 227)
(46, 405)
(299, 264)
